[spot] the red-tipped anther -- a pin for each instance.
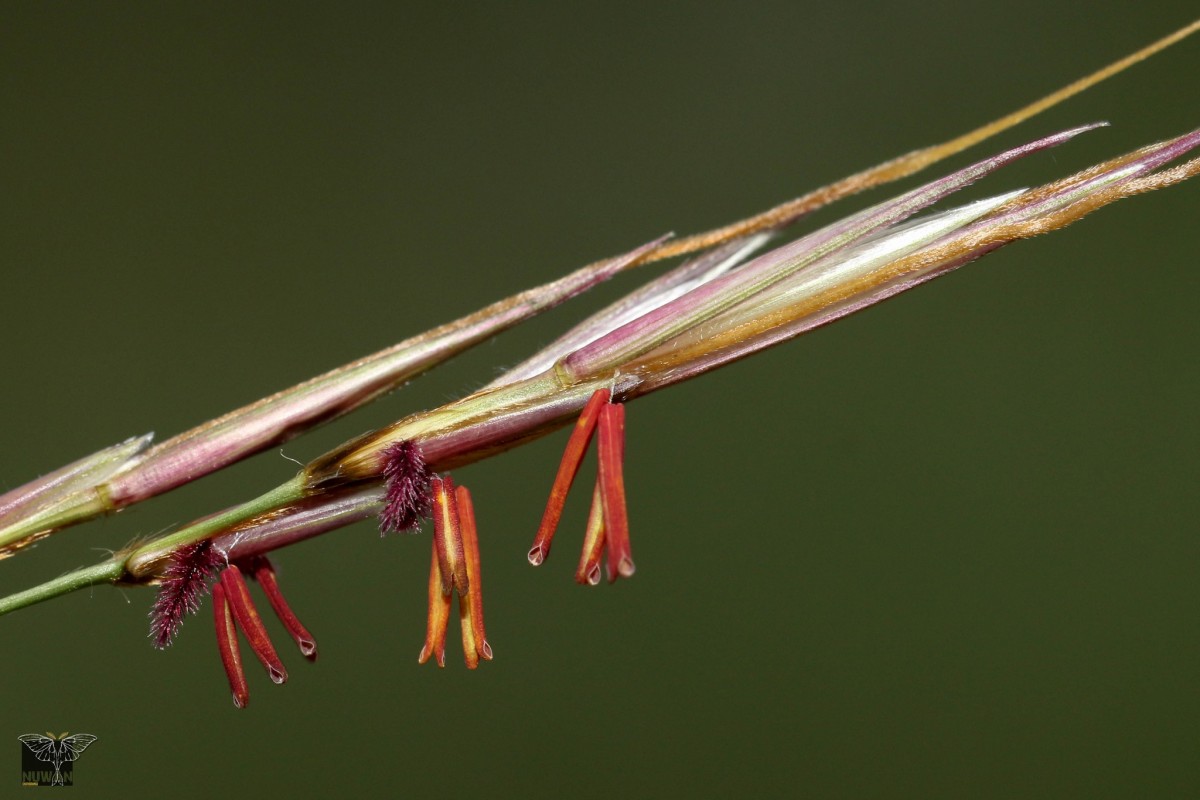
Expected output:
(238, 597)
(264, 573)
(470, 649)
(470, 607)
(593, 543)
(567, 469)
(227, 643)
(447, 537)
(612, 491)
(439, 616)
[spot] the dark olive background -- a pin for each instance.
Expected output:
(945, 548)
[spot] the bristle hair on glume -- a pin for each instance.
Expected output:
(184, 583)
(409, 483)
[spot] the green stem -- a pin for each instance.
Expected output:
(139, 564)
(142, 562)
(106, 572)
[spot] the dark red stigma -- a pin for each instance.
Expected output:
(184, 584)
(409, 487)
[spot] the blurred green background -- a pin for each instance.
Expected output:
(944, 548)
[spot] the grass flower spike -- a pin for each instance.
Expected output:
(744, 288)
(130, 473)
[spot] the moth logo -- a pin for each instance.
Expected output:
(39, 753)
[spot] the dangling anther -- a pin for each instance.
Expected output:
(612, 491)
(577, 445)
(593, 543)
(238, 597)
(264, 574)
(227, 644)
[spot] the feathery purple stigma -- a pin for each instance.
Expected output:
(184, 584)
(409, 484)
